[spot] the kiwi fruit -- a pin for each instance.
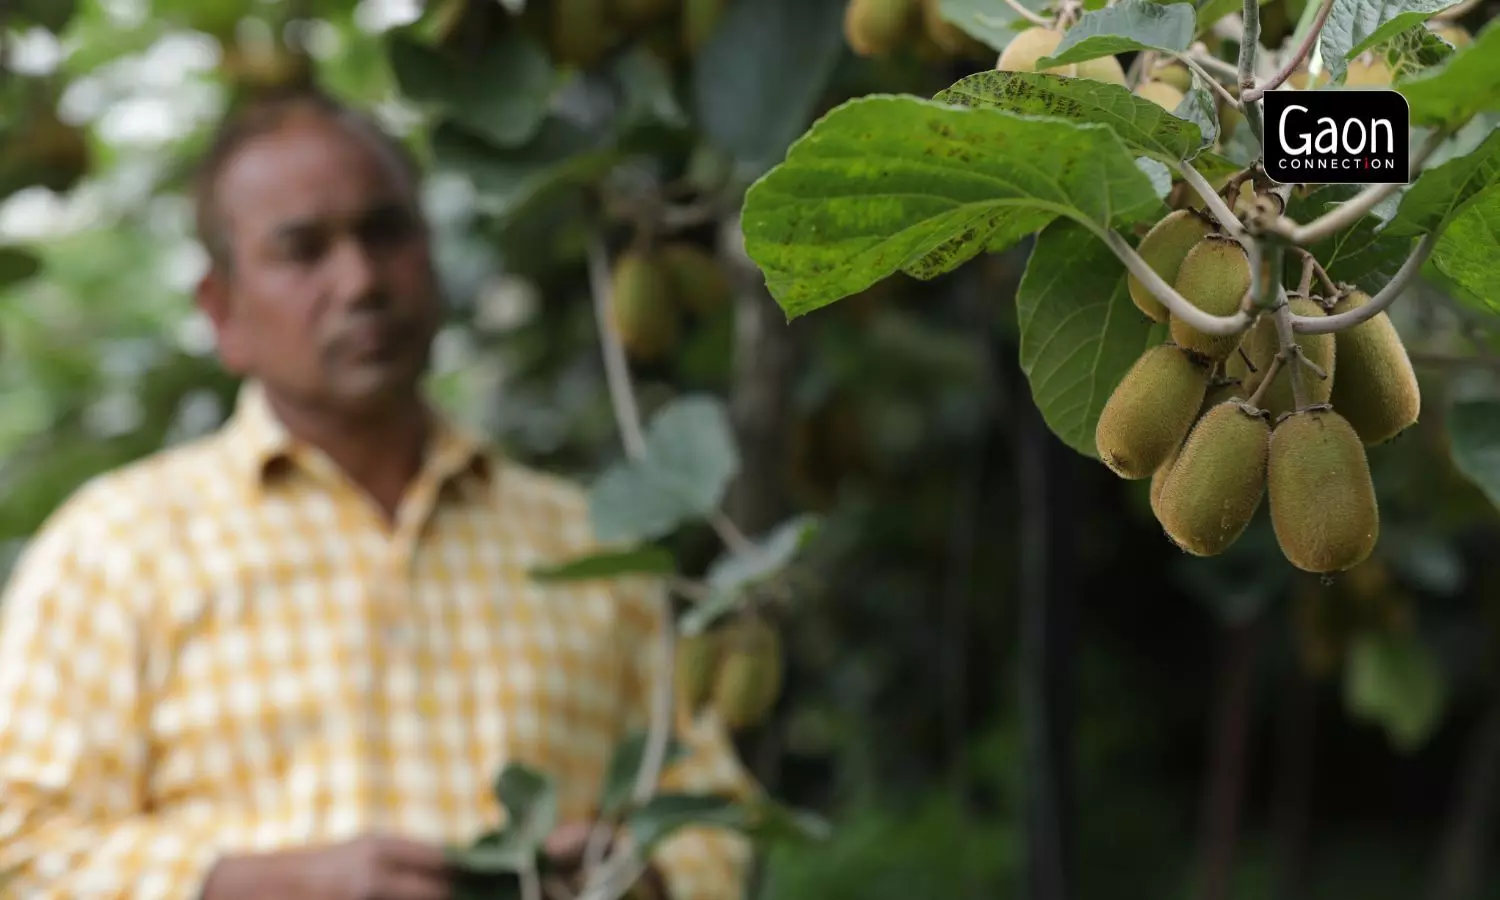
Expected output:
(1252, 358)
(750, 672)
(697, 664)
(1162, 94)
(699, 283)
(1159, 478)
(1217, 482)
(1163, 248)
(1150, 411)
(1376, 389)
(1023, 51)
(1371, 72)
(1174, 74)
(877, 28)
(1103, 68)
(1323, 506)
(1214, 276)
(1456, 35)
(951, 39)
(1319, 349)
(641, 308)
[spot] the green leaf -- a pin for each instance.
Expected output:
(1469, 247)
(1363, 255)
(649, 97)
(1213, 166)
(690, 459)
(1160, 175)
(17, 265)
(993, 23)
(1467, 84)
(1198, 107)
(1441, 192)
(666, 814)
(1355, 26)
(530, 801)
(733, 573)
(648, 559)
(1141, 124)
(777, 823)
(502, 96)
(885, 184)
(623, 766)
(1080, 331)
(1474, 437)
(1128, 25)
(1394, 680)
(53, 15)
(757, 82)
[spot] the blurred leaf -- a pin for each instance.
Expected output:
(690, 459)
(993, 23)
(770, 821)
(666, 814)
(758, 80)
(502, 96)
(1355, 26)
(52, 15)
(512, 183)
(1466, 84)
(530, 802)
(1469, 247)
(1394, 681)
(649, 96)
(17, 265)
(1199, 108)
(643, 560)
(1474, 434)
(1127, 26)
(1141, 124)
(1441, 192)
(886, 184)
(1080, 331)
(731, 574)
(623, 766)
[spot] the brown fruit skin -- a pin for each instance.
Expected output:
(1218, 480)
(1214, 277)
(1150, 411)
(878, 28)
(1163, 248)
(641, 308)
(696, 669)
(750, 674)
(1377, 389)
(1320, 349)
(698, 281)
(1323, 506)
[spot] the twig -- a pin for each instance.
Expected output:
(1028, 15)
(1353, 209)
(1289, 346)
(616, 369)
(1265, 383)
(1179, 306)
(1378, 303)
(1221, 211)
(731, 534)
(1214, 64)
(1311, 266)
(1249, 46)
(1304, 284)
(1291, 65)
(1316, 369)
(1208, 78)
(693, 590)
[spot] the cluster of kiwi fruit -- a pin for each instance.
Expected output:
(655, 288)
(1195, 414)
(878, 29)
(735, 668)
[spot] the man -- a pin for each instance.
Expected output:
(287, 660)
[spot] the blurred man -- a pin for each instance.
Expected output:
(287, 660)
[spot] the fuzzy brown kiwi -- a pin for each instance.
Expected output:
(1150, 411)
(1218, 480)
(1214, 276)
(1376, 389)
(1320, 349)
(1164, 248)
(1323, 506)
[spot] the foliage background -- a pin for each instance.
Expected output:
(993, 634)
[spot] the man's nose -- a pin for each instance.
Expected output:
(355, 275)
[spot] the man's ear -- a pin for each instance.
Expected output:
(213, 297)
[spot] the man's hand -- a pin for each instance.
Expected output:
(375, 867)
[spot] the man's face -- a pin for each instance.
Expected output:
(332, 300)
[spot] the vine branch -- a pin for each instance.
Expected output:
(1378, 303)
(1178, 305)
(1292, 64)
(1028, 15)
(616, 370)
(1291, 350)
(1249, 45)
(1208, 77)
(1216, 205)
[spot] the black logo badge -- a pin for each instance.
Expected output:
(1337, 137)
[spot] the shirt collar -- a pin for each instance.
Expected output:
(258, 442)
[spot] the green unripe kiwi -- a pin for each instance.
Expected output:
(1163, 248)
(749, 679)
(1217, 482)
(1162, 94)
(1103, 68)
(1214, 276)
(1174, 74)
(1320, 349)
(1021, 54)
(1150, 411)
(877, 28)
(697, 667)
(1323, 506)
(1376, 389)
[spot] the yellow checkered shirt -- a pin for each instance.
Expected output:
(224, 648)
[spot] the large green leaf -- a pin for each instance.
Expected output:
(986, 20)
(647, 559)
(757, 82)
(1474, 436)
(1469, 247)
(1354, 26)
(1141, 124)
(501, 96)
(1466, 84)
(1080, 331)
(1365, 254)
(1441, 192)
(885, 184)
(1394, 680)
(667, 814)
(689, 462)
(17, 265)
(1128, 25)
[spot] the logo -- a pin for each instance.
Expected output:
(1337, 137)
